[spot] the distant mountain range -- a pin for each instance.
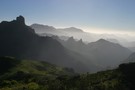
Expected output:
(102, 52)
(107, 53)
(39, 28)
(20, 41)
(44, 30)
(123, 39)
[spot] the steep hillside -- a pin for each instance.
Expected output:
(18, 72)
(9, 66)
(107, 53)
(132, 49)
(38, 75)
(130, 59)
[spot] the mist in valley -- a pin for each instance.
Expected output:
(105, 50)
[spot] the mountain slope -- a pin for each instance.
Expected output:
(20, 41)
(102, 52)
(132, 49)
(107, 53)
(41, 29)
(130, 59)
(13, 66)
(20, 74)
(38, 75)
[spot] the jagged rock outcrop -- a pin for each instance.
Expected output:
(20, 20)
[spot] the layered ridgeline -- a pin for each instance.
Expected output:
(107, 53)
(68, 32)
(20, 41)
(39, 28)
(130, 59)
(125, 40)
(38, 75)
(102, 52)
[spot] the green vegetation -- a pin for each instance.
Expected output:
(37, 75)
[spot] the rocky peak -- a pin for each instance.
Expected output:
(20, 19)
(101, 40)
(80, 41)
(71, 39)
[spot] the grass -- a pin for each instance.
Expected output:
(39, 75)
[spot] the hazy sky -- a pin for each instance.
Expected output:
(92, 15)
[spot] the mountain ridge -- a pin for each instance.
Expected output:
(20, 41)
(101, 52)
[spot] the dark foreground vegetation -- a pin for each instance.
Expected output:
(38, 75)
